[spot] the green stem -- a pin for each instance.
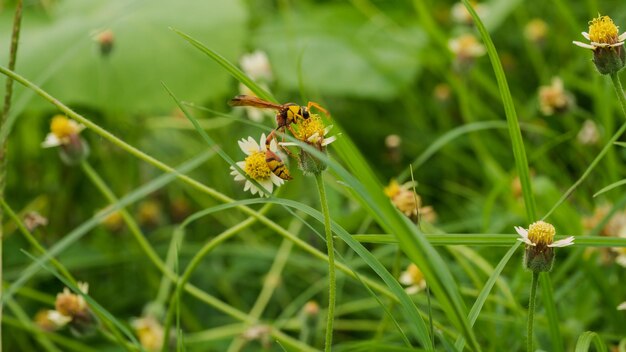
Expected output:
(332, 284)
(531, 311)
(622, 100)
(17, 22)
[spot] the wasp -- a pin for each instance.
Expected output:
(274, 162)
(286, 114)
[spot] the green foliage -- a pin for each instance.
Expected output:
(186, 247)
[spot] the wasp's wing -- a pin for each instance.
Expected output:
(249, 100)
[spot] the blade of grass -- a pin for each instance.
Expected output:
(484, 293)
(585, 340)
(470, 239)
(519, 153)
(232, 69)
(610, 187)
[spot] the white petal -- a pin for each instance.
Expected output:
(563, 243)
(329, 140)
(79, 127)
(406, 278)
(621, 260)
(51, 141)
(584, 45)
(314, 137)
(527, 241)
(411, 290)
(622, 306)
(83, 287)
(249, 186)
(274, 145)
(521, 231)
(622, 37)
(586, 35)
(262, 143)
(267, 184)
(57, 318)
(276, 180)
(248, 146)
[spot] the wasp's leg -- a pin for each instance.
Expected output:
(318, 107)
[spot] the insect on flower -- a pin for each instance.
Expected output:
(274, 162)
(286, 114)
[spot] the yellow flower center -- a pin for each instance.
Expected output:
(62, 127)
(256, 166)
(392, 189)
(541, 233)
(416, 274)
(308, 127)
(603, 30)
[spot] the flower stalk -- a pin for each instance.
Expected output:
(15, 35)
(531, 311)
(332, 282)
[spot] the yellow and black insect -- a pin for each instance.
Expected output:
(286, 114)
(274, 162)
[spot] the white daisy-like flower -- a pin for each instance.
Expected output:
(256, 167)
(554, 98)
(603, 33)
(466, 47)
(541, 234)
(257, 66)
(68, 305)
(414, 278)
(62, 131)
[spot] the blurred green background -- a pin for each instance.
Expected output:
(381, 67)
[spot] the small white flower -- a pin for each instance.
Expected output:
(603, 33)
(588, 134)
(257, 66)
(256, 167)
(466, 47)
(62, 130)
(541, 233)
(594, 45)
(414, 278)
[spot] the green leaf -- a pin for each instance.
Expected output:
(342, 53)
(144, 52)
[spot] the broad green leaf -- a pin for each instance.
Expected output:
(335, 50)
(145, 52)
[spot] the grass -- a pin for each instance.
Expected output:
(182, 256)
